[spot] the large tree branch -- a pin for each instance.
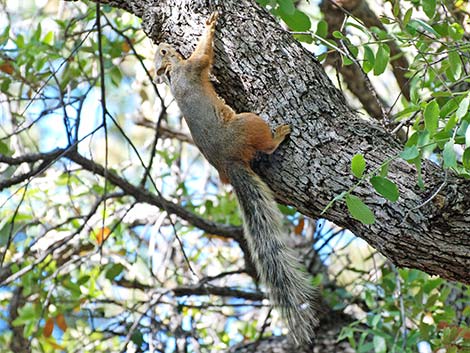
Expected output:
(200, 289)
(138, 193)
(142, 195)
(261, 68)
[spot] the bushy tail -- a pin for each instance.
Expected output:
(288, 286)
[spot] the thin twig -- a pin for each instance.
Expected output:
(404, 330)
(103, 112)
(429, 199)
(136, 322)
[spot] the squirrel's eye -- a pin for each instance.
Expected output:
(163, 51)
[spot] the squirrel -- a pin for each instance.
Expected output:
(229, 142)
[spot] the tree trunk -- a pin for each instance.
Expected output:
(260, 67)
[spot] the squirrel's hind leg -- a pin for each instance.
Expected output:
(280, 134)
(258, 135)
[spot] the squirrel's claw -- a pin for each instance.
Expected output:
(212, 19)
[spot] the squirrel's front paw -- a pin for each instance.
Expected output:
(212, 19)
(282, 131)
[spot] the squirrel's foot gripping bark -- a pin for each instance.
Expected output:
(212, 20)
(280, 134)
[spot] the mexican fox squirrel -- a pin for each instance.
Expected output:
(229, 142)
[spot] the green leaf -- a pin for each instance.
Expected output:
(358, 165)
(116, 75)
(396, 9)
(298, 21)
(467, 136)
(431, 284)
(41, 62)
(429, 7)
(26, 313)
(456, 31)
(369, 59)
(417, 163)
(5, 35)
(107, 8)
(82, 280)
(455, 64)
(4, 149)
(287, 210)
(380, 345)
(375, 319)
(449, 155)
(138, 338)
(431, 116)
(49, 38)
(418, 24)
(353, 50)
(5, 85)
(466, 158)
(20, 41)
(346, 60)
(359, 210)
(451, 123)
(409, 153)
(286, 6)
(441, 28)
(322, 56)
(448, 108)
(384, 170)
(306, 38)
(407, 16)
(114, 271)
(381, 33)
(338, 34)
(463, 107)
(322, 29)
(346, 332)
(385, 187)
(406, 112)
(37, 33)
(381, 59)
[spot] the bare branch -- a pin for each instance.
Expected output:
(142, 195)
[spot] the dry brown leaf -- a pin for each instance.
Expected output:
(48, 328)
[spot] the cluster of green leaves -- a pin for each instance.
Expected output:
(57, 289)
(437, 114)
(39, 65)
(379, 181)
(438, 110)
(438, 118)
(295, 19)
(32, 59)
(406, 307)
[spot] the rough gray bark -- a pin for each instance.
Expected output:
(261, 68)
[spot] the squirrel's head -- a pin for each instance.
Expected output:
(165, 57)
